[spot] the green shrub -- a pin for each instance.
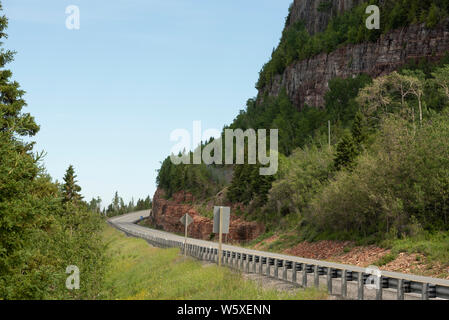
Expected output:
(405, 175)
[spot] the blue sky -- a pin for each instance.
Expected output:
(108, 95)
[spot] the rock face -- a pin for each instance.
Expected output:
(166, 215)
(307, 81)
(316, 19)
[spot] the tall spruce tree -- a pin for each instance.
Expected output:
(12, 119)
(70, 189)
(346, 153)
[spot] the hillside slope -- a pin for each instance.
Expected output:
(381, 177)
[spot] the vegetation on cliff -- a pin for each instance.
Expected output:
(349, 28)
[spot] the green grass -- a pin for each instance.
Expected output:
(139, 271)
(259, 239)
(435, 247)
(386, 259)
(285, 241)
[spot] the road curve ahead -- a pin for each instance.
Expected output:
(340, 279)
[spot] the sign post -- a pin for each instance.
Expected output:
(221, 226)
(220, 236)
(186, 220)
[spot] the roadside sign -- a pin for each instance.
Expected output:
(187, 218)
(226, 214)
(221, 225)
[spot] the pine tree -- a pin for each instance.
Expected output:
(433, 17)
(116, 204)
(70, 189)
(11, 102)
(346, 153)
(358, 129)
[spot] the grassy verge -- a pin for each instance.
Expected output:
(139, 271)
(435, 247)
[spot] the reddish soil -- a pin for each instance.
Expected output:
(363, 256)
(321, 250)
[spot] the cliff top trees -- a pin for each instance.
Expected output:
(349, 28)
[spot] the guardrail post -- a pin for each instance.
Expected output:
(304, 275)
(248, 258)
(284, 270)
(425, 291)
(260, 264)
(276, 268)
(344, 284)
(254, 266)
(361, 286)
(379, 288)
(242, 261)
(268, 270)
(329, 280)
(400, 289)
(317, 276)
(294, 266)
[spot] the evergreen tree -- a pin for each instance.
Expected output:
(12, 119)
(346, 153)
(70, 189)
(95, 205)
(358, 129)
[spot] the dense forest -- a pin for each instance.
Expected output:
(385, 172)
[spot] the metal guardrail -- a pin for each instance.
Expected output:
(280, 266)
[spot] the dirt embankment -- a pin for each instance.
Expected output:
(347, 252)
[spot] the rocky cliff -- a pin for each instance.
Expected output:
(167, 212)
(307, 81)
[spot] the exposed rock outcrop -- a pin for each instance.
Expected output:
(166, 214)
(307, 81)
